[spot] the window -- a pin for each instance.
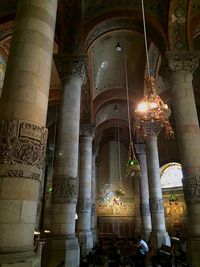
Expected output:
(171, 175)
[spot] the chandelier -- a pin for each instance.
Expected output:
(151, 109)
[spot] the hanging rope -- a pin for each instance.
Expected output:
(145, 38)
(132, 164)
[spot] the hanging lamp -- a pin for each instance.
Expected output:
(151, 109)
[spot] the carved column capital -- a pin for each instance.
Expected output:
(71, 65)
(177, 61)
(156, 205)
(151, 129)
(145, 209)
(87, 130)
(191, 188)
(65, 189)
(84, 205)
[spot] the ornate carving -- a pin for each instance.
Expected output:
(191, 187)
(68, 65)
(182, 61)
(178, 25)
(22, 142)
(151, 129)
(84, 205)
(19, 170)
(145, 209)
(156, 205)
(65, 189)
(87, 130)
(140, 149)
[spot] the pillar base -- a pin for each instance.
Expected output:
(193, 255)
(157, 238)
(20, 260)
(86, 242)
(60, 249)
(146, 234)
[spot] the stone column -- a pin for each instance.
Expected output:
(84, 201)
(64, 244)
(182, 66)
(94, 194)
(23, 135)
(158, 234)
(144, 191)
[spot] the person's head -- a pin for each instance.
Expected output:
(138, 238)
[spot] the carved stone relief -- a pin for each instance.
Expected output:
(145, 209)
(65, 189)
(22, 142)
(191, 188)
(156, 205)
(84, 205)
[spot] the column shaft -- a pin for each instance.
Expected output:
(64, 244)
(23, 111)
(144, 191)
(94, 194)
(182, 66)
(84, 201)
(158, 234)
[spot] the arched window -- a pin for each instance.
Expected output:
(171, 175)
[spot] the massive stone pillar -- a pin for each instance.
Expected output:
(23, 110)
(63, 243)
(144, 192)
(94, 194)
(158, 234)
(182, 66)
(84, 200)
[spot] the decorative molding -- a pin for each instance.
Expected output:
(87, 130)
(178, 25)
(122, 24)
(182, 61)
(65, 189)
(84, 205)
(140, 149)
(21, 171)
(145, 209)
(156, 205)
(191, 188)
(22, 142)
(71, 65)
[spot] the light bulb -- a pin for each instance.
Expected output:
(142, 107)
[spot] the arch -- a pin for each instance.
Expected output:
(134, 23)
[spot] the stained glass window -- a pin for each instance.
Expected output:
(171, 175)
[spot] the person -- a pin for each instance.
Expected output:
(141, 252)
